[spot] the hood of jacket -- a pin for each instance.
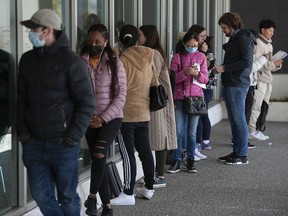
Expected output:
(247, 33)
(139, 56)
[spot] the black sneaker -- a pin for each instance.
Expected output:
(190, 166)
(251, 146)
(237, 160)
(107, 211)
(91, 205)
(175, 167)
(223, 159)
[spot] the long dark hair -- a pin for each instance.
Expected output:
(111, 56)
(153, 39)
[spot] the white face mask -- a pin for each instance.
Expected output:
(34, 38)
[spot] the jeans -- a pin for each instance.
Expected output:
(49, 163)
(135, 135)
(204, 124)
(235, 104)
(186, 126)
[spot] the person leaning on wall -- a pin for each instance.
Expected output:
(109, 86)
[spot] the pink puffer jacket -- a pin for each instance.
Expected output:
(188, 60)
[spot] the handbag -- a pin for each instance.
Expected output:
(115, 183)
(158, 96)
(194, 105)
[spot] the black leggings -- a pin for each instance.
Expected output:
(99, 140)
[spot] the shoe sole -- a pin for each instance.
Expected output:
(238, 163)
(122, 204)
(90, 214)
(159, 186)
(142, 195)
(254, 138)
(192, 171)
(172, 171)
(251, 147)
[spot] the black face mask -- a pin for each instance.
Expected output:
(94, 50)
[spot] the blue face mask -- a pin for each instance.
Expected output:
(34, 38)
(191, 49)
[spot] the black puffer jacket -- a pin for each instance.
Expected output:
(55, 98)
(238, 59)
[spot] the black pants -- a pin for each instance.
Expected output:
(135, 135)
(99, 140)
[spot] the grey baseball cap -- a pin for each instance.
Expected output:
(44, 17)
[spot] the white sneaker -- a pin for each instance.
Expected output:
(267, 137)
(199, 155)
(141, 181)
(143, 191)
(255, 135)
(196, 158)
(123, 199)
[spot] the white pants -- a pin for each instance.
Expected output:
(262, 93)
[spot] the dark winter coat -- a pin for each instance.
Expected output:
(238, 59)
(55, 98)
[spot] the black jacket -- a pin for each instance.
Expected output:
(55, 98)
(238, 59)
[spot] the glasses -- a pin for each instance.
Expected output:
(203, 36)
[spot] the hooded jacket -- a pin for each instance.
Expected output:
(238, 59)
(140, 75)
(55, 98)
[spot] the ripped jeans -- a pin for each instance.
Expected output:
(99, 140)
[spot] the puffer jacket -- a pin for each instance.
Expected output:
(107, 107)
(55, 98)
(238, 59)
(140, 70)
(188, 60)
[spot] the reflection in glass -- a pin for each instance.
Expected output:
(7, 71)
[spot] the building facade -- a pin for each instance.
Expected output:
(169, 16)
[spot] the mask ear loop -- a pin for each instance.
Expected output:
(105, 44)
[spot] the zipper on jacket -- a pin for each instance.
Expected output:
(63, 116)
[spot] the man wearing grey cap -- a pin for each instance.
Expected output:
(55, 104)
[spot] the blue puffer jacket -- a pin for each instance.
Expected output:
(55, 98)
(238, 59)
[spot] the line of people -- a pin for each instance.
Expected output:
(103, 93)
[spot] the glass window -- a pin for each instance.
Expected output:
(152, 8)
(7, 106)
(176, 24)
(89, 12)
(125, 13)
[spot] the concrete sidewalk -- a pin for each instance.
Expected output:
(257, 189)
